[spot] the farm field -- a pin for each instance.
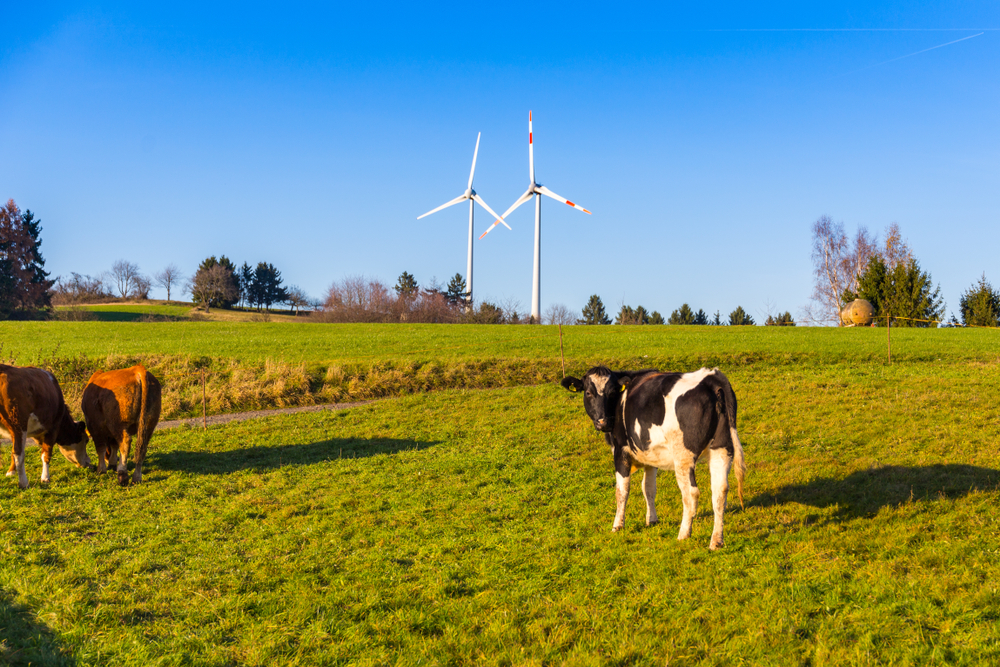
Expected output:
(162, 310)
(468, 526)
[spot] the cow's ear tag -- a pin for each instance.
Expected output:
(573, 388)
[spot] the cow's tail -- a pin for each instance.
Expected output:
(738, 461)
(143, 410)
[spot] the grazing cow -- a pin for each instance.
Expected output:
(32, 406)
(118, 405)
(666, 421)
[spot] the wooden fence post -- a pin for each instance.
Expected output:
(204, 414)
(561, 355)
(888, 337)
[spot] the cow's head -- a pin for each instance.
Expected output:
(72, 443)
(602, 389)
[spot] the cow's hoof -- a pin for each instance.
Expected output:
(10, 474)
(716, 545)
(650, 524)
(92, 468)
(44, 480)
(615, 529)
(123, 478)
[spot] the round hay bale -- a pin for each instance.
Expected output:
(858, 313)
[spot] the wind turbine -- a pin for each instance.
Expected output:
(534, 190)
(471, 195)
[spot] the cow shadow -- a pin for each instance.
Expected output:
(865, 492)
(23, 641)
(271, 458)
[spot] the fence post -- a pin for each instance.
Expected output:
(204, 414)
(888, 336)
(561, 355)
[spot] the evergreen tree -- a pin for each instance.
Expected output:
(626, 315)
(407, 287)
(980, 305)
(903, 293)
(739, 317)
(455, 292)
(783, 320)
(700, 317)
(246, 284)
(593, 312)
(215, 283)
(716, 321)
(24, 283)
(683, 315)
(266, 287)
(641, 316)
(655, 318)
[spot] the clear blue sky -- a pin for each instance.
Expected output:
(705, 140)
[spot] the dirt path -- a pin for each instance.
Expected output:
(241, 416)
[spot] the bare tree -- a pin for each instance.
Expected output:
(168, 277)
(123, 275)
(837, 263)
(297, 298)
(140, 287)
(558, 314)
(212, 285)
(896, 251)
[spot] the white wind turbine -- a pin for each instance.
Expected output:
(534, 190)
(471, 195)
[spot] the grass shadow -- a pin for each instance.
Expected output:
(865, 492)
(272, 458)
(23, 641)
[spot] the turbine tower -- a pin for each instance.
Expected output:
(535, 190)
(471, 195)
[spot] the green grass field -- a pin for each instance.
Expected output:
(467, 526)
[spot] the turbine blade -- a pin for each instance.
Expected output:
(482, 203)
(548, 193)
(531, 151)
(454, 201)
(490, 228)
(525, 197)
(474, 156)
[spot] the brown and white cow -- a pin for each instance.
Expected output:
(117, 406)
(32, 406)
(666, 421)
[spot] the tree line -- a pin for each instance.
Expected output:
(595, 313)
(889, 276)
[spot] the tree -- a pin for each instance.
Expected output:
(716, 321)
(980, 305)
(558, 314)
(682, 315)
(903, 293)
(700, 317)
(455, 292)
(297, 298)
(783, 320)
(266, 287)
(123, 277)
(655, 318)
(406, 286)
(837, 263)
(739, 317)
(593, 312)
(245, 279)
(24, 283)
(167, 278)
(629, 315)
(215, 284)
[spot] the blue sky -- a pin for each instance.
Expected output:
(705, 141)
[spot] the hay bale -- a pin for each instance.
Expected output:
(858, 313)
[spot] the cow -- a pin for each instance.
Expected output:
(117, 406)
(662, 421)
(32, 406)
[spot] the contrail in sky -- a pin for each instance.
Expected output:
(892, 60)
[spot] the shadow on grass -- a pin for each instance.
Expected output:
(23, 641)
(272, 458)
(867, 491)
(123, 316)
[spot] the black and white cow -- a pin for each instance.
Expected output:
(662, 421)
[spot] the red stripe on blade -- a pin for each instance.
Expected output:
(529, 137)
(570, 203)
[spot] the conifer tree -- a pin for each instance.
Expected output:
(594, 313)
(980, 305)
(739, 317)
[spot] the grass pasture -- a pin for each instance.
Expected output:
(468, 526)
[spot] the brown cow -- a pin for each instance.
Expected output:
(32, 406)
(118, 405)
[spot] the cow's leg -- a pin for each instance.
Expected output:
(123, 450)
(719, 462)
(46, 458)
(684, 471)
(140, 458)
(622, 483)
(13, 463)
(649, 492)
(18, 454)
